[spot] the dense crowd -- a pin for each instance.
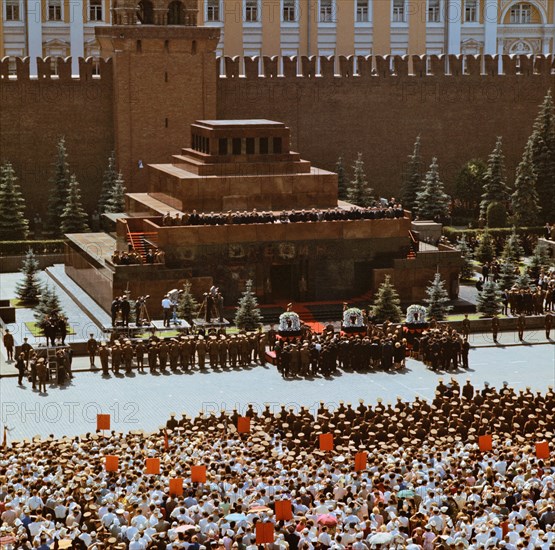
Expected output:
(424, 484)
(133, 257)
(392, 210)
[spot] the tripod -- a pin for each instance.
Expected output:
(143, 317)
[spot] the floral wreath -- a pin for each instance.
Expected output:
(289, 321)
(416, 314)
(353, 317)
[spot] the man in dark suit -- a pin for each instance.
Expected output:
(125, 307)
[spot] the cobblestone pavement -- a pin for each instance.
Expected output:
(144, 401)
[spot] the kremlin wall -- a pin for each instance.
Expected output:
(377, 105)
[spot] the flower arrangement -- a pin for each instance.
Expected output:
(353, 318)
(416, 315)
(289, 322)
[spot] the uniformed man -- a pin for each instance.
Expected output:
(466, 326)
(140, 355)
(104, 354)
(548, 324)
(520, 325)
(92, 346)
(9, 344)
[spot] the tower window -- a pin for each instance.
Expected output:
(251, 11)
(250, 146)
(236, 146)
(289, 10)
(521, 14)
(213, 10)
(399, 11)
(277, 145)
(12, 10)
(434, 11)
(222, 146)
(471, 11)
(362, 11)
(326, 11)
(54, 10)
(95, 10)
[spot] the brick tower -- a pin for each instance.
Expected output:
(164, 79)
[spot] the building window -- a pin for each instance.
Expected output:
(289, 10)
(277, 145)
(54, 10)
(434, 11)
(251, 11)
(95, 10)
(521, 14)
(12, 10)
(362, 11)
(398, 11)
(236, 146)
(326, 11)
(263, 146)
(250, 146)
(213, 10)
(471, 11)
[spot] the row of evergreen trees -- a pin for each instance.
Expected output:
(65, 208)
(485, 184)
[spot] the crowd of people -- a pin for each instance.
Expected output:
(384, 348)
(423, 483)
(392, 210)
(134, 257)
(54, 327)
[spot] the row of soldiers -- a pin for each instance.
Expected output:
(442, 349)
(185, 352)
(528, 302)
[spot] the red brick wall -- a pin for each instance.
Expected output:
(380, 114)
(34, 113)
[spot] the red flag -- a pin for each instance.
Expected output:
(5, 440)
(166, 442)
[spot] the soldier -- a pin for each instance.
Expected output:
(174, 354)
(104, 354)
(548, 324)
(9, 344)
(466, 326)
(245, 351)
(42, 374)
(185, 352)
(92, 346)
(213, 351)
(201, 352)
(125, 308)
(262, 341)
(272, 336)
(304, 359)
(163, 350)
(465, 348)
(152, 354)
(222, 351)
(116, 357)
(140, 355)
(495, 327)
(128, 354)
(520, 324)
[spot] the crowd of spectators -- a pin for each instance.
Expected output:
(393, 210)
(424, 484)
(133, 257)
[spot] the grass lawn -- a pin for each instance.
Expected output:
(33, 328)
(17, 303)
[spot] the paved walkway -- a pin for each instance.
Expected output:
(144, 401)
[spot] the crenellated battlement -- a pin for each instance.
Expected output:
(90, 69)
(389, 66)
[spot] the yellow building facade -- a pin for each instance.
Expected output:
(37, 28)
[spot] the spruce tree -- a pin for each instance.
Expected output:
(412, 178)
(341, 179)
(437, 300)
(525, 202)
(523, 281)
(489, 300)
(512, 251)
(247, 315)
(48, 303)
(432, 203)
(387, 305)
(485, 251)
(495, 185)
(60, 184)
(542, 144)
(470, 185)
(496, 215)
(116, 201)
(74, 218)
(108, 183)
(467, 268)
(13, 224)
(538, 260)
(359, 192)
(29, 289)
(507, 275)
(187, 307)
